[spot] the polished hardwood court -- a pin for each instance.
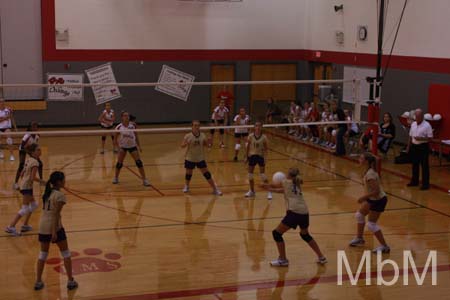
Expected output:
(134, 242)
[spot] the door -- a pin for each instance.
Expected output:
(222, 73)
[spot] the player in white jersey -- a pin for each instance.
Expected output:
(297, 214)
(373, 204)
(52, 230)
(256, 150)
(219, 117)
(240, 133)
(195, 143)
(106, 120)
(127, 141)
(29, 204)
(27, 140)
(6, 122)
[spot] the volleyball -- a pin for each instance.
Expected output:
(437, 117)
(428, 117)
(278, 177)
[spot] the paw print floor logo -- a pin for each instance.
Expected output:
(90, 261)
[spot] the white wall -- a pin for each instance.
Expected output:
(424, 30)
(173, 24)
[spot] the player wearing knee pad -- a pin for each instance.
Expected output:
(195, 143)
(52, 230)
(240, 134)
(373, 204)
(297, 214)
(6, 122)
(27, 140)
(29, 176)
(219, 118)
(106, 120)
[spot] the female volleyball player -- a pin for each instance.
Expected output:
(106, 120)
(372, 203)
(297, 214)
(240, 133)
(27, 140)
(28, 176)
(256, 151)
(6, 115)
(128, 141)
(52, 230)
(195, 143)
(219, 117)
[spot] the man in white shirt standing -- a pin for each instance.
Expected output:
(418, 148)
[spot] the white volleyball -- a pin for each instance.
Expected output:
(428, 117)
(278, 177)
(437, 117)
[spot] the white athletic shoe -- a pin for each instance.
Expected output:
(249, 194)
(2, 156)
(12, 231)
(382, 249)
(333, 147)
(11, 158)
(269, 196)
(279, 262)
(357, 242)
(146, 182)
(186, 189)
(322, 260)
(26, 228)
(115, 180)
(16, 186)
(217, 192)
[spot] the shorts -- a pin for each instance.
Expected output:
(191, 165)
(220, 122)
(293, 220)
(27, 192)
(47, 238)
(256, 160)
(240, 135)
(131, 150)
(106, 127)
(378, 205)
(4, 129)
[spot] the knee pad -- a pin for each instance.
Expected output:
(139, 163)
(25, 210)
(263, 177)
(103, 138)
(43, 256)
(306, 237)
(360, 218)
(251, 176)
(373, 227)
(237, 147)
(32, 206)
(188, 177)
(119, 165)
(66, 253)
(278, 237)
(9, 141)
(207, 175)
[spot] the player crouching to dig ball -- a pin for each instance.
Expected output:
(195, 142)
(297, 214)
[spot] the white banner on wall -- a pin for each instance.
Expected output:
(169, 74)
(351, 73)
(103, 74)
(64, 93)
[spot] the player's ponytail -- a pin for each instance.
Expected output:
(294, 173)
(371, 160)
(55, 177)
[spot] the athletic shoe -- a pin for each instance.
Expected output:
(12, 231)
(382, 249)
(39, 285)
(146, 182)
(72, 284)
(249, 194)
(217, 192)
(312, 140)
(115, 180)
(186, 189)
(2, 155)
(322, 260)
(16, 186)
(279, 262)
(333, 147)
(11, 158)
(26, 228)
(222, 145)
(269, 196)
(305, 139)
(357, 242)
(235, 158)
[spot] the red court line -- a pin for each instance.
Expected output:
(252, 286)
(139, 176)
(398, 174)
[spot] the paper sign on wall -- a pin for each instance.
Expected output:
(103, 74)
(64, 93)
(169, 74)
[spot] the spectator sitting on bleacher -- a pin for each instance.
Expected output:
(293, 117)
(385, 136)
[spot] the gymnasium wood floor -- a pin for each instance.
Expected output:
(135, 243)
